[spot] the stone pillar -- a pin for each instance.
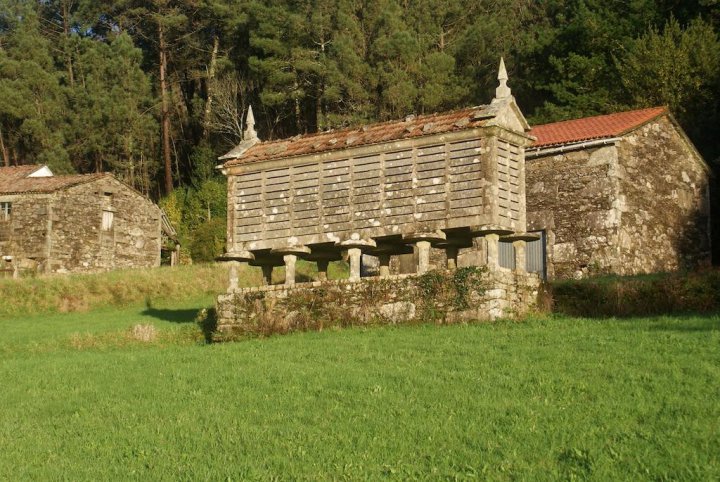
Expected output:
(354, 255)
(355, 246)
(423, 256)
(519, 247)
(322, 267)
(267, 270)
(290, 260)
(384, 265)
(493, 251)
(451, 252)
(234, 277)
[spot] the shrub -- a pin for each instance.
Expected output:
(647, 295)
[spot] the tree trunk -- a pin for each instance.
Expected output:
(210, 86)
(3, 150)
(66, 31)
(165, 110)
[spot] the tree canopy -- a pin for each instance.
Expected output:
(155, 90)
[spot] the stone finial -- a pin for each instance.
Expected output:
(502, 91)
(250, 134)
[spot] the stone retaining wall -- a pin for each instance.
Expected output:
(467, 294)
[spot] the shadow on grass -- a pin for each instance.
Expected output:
(173, 316)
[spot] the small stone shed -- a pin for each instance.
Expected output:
(74, 223)
(624, 193)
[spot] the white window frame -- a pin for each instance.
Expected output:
(108, 220)
(5, 211)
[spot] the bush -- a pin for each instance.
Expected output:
(208, 240)
(676, 293)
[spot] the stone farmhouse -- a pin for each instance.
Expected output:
(453, 181)
(624, 193)
(75, 223)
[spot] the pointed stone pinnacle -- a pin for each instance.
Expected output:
(250, 133)
(502, 91)
(250, 119)
(502, 72)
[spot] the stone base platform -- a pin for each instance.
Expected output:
(466, 294)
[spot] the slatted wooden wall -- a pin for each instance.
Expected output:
(508, 162)
(388, 193)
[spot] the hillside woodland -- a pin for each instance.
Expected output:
(155, 90)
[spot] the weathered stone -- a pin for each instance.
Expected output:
(401, 298)
(79, 224)
(637, 205)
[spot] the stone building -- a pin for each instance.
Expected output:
(75, 223)
(453, 181)
(624, 193)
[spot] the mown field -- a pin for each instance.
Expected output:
(546, 399)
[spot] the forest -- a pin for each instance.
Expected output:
(155, 90)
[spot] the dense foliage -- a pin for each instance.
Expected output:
(155, 90)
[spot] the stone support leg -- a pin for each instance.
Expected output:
(290, 260)
(233, 276)
(267, 270)
(493, 251)
(452, 253)
(354, 255)
(384, 265)
(423, 256)
(322, 267)
(519, 248)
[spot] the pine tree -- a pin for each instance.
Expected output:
(33, 100)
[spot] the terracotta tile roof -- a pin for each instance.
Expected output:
(18, 172)
(412, 126)
(598, 127)
(12, 183)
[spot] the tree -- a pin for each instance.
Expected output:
(33, 101)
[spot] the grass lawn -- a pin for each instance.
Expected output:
(541, 400)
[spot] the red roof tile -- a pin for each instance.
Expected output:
(412, 126)
(12, 183)
(18, 172)
(588, 128)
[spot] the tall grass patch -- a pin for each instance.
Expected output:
(85, 292)
(645, 295)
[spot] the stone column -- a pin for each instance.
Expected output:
(423, 241)
(290, 260)
(233, 276)
(354, 255)
(384, 265)
(267, 270)
(322, 267)
(355, 246)
(493, 251)
(519, 248)
(423, 256)
(451, 252)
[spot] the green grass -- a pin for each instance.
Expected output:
(549, 399)
(85, 292)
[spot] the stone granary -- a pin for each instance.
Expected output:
(441, 180)
(624, 193)
(453, 181)
(75, 223)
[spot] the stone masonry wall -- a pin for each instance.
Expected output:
(575, 197)
(665, 220)
(80, 243)
(23, 237)
(463, 295)
(62, 232)
(640, 206)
